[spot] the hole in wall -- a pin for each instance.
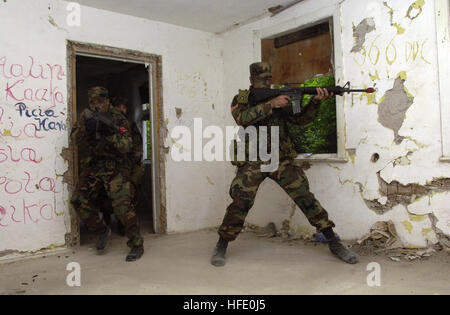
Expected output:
(375, 157)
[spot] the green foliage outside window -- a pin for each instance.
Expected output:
(320, 135)
(148, 132)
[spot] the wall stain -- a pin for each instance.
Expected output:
(370, 96)
(351, 153)
(417, 5)
(8, 252)
(403, 160)
(400, 30)
(417, 218)
(178, 112)
(375, 76)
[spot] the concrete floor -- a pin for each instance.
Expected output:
(179, 264)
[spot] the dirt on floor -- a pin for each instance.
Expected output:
(256, 265)
(368, 248)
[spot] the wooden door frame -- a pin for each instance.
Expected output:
(158, 134)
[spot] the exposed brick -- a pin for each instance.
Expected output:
(404, 190)
(392, 189)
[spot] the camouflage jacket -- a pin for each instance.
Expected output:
(135, 155)
(264, 115)
(111, 150)
(136, 150)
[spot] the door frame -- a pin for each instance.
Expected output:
(159, 129)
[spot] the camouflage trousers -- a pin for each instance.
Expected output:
(245, 185)
(119, 190)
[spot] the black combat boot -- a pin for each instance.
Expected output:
(135, 253)
(102, 241)
(339, 250)
(218, 258)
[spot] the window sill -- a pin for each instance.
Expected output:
(445, 159)
(306, 157)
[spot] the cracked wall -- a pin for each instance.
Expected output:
(392, 143)
(406, 170)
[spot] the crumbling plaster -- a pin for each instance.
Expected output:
(392, 139)
(393, 170)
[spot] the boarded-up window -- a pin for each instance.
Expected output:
(298, 57)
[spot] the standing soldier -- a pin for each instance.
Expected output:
(105, 165)
(288, 175)
(135, 155)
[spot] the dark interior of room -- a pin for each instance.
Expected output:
(131, 81)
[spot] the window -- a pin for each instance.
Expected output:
(307, 43)
(305, 57)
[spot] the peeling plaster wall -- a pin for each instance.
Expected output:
(395, 49)
(392, 45)
(34, 212)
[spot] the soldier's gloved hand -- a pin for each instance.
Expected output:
(280, 101)
(90, 125)
(322, 94)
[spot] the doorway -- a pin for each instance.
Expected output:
(134, 77)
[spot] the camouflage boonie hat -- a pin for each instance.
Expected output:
(98, 99)
(98, 91)
(260, 70)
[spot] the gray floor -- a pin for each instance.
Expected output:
(179, 264)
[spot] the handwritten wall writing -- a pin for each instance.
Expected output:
(8, 154)
(16, 79)
(413, 51)
(42, 117)
(30, 201)
(27, 184)
(23, 211)
(8, 128)
(32, 104)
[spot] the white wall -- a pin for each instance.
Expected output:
(411, 53)
(192, 80)
(201, 69)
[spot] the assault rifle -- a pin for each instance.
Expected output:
(261, 95)
(102, 120)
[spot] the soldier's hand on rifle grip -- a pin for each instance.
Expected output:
(280, 101)
(322, 94)
(90, 125)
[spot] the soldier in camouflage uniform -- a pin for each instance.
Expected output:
(289, 176)
(105, 166)
(135, 154)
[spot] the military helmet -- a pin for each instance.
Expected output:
(98, 91)
(98, 99)
(260, 70)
